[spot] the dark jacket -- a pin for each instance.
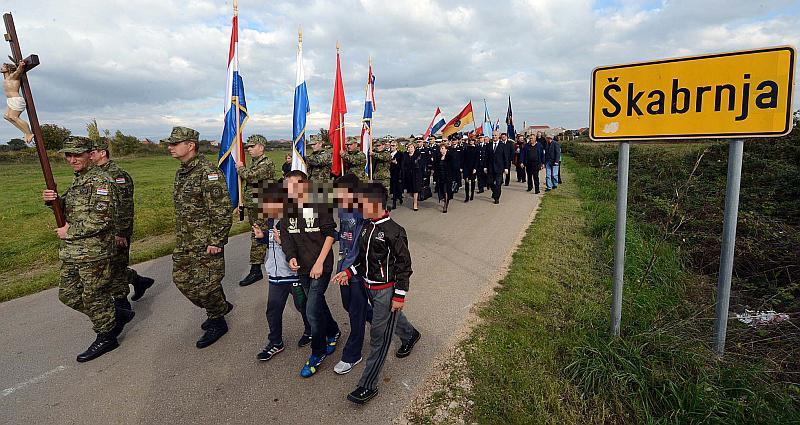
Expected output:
(510, 148)
(304, 234)
(552, 153)
(497, 159)
(533, 155)
(469, 160)
(383, 259)
(351, 223)
(444, 176)
(414, 168)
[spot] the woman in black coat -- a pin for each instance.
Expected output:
(413, 173)
(442, 165)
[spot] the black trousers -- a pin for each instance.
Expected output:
(469, 187)
(532, 172)
(482, 180)
(508, 176)
(496, 183)
(520, 174)
(276, 301)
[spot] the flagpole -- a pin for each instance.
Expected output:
(300, 49)
(341, 121)
(238, 129)
(371, 121)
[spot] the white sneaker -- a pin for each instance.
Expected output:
(342, 368)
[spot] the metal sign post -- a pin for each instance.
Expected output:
(619, 241)
(735, 153)
(682, 98)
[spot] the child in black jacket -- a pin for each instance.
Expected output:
(384, 264)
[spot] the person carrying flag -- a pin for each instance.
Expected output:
(319, 163)
(354, 160)
(202, 221)
(261, 169)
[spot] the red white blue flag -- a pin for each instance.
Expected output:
(231, 148)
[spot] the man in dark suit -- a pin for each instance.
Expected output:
(497, 164)
(509, 145)
(480, 163)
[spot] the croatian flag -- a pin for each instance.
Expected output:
(231, 148)
(366, 127)
(301, 111)
(436, 124)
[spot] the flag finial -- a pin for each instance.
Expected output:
(235, 7)
(338, 46)
(300, 35)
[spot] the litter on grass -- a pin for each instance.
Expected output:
(759, 318)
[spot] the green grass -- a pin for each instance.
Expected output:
(27, 237)
(542, 353)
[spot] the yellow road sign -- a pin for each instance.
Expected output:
(726, 95)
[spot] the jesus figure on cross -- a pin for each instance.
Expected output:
(15, 103)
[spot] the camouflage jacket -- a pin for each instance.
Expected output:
(202, 206)
(123, 221)
(319, 166)
(89, 207)
(380, 165)
(262, 168)
(355, 163)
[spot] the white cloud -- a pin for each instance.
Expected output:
(145, 65)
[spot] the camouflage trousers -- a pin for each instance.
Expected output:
(121, 274)
(85, 287)
(257, 251)
(199, 278)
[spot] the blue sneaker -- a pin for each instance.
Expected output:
(312, 366)
(332, 343)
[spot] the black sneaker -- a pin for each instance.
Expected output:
(207, 322)
(304, 340)
(406, 347)
(269, 352)
(121, 318)
(362, 395)
(123, 303)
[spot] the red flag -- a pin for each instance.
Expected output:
(336, 128)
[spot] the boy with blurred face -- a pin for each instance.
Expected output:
(282, 279)
(307, 238)
(354, 296)
(384, 263)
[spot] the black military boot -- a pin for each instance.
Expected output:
(254, 276)
(140, 285)
(216, 328)
(122, 303)
(104, 343)
(207, 322)
(121, 317)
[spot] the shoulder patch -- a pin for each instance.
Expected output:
(102, 191)
(212, 177)
(120, 180)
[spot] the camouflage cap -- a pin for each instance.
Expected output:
(256, 139)
(77, 144)
(353, 142)
(182, 134)
(100, 144)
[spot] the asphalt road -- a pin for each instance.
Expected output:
(158, 376)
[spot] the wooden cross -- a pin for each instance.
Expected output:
(31, 62)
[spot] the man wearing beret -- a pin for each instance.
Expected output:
(87, 243)
(261, 169)
(121, 274)
(202, 221)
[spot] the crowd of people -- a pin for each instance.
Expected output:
(293, 236)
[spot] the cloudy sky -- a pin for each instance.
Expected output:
(142, 66)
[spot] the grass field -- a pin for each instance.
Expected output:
(543, 355)
(27, 239)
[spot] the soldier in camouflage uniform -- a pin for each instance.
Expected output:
(319, 163)
(203, 217)
(86, 247)
(261, 169)
(121, 274)
(355, 161)
(381, 161)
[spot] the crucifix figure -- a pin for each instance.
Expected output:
(14, 101)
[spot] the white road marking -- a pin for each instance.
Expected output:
(9, 391)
